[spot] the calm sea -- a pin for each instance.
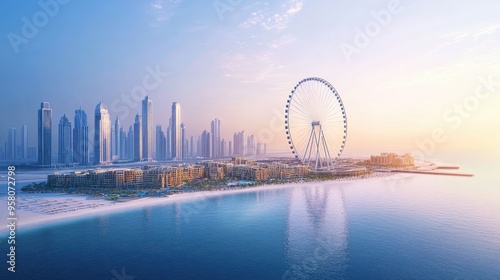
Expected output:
(402, 227)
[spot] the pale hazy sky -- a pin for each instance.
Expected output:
(399, 66)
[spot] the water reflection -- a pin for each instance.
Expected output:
(146, 220)
(103, 225)
(316, 234)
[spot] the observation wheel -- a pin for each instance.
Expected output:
(316, 123)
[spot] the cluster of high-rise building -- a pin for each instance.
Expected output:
(111, 141)
(17, 148)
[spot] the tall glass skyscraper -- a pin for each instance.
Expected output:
(161, 144)
(45, 134)
(116, 139)
(216, 144)
(183, 141)
(239, 143)
(24, 142)
(205, 145)
(64, 143)
(147, 128)
(176, 131)
(102, 135)
(123, 144)
(81, 137)
(11, 144)
(137, 138)
(130, 143)
(168, 136)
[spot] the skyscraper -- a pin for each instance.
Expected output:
(183, 141)
(205, 144)
(161, 144)
(64, 141)
(239, 143)
(81, 137)
(176, 131)
(191, 148)
(10, 144)
(235, 141)
(147, 128)
(24, 142)
(130, 143)
(215, 131)
(250, 148)
(223, 148)
(102, 135)
(123, 144)
(137, 138)
(168, 136)
(198, 146)
(117, 140)
(45, 134)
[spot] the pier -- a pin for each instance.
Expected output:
(435, 173)
(447, 167)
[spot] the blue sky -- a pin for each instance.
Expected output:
(238, 60)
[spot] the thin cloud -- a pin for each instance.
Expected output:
(469, 38)
(261, 67)
(158, 5)
(487, 30)
(163, 11)
(274, 20)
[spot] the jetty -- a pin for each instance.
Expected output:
(434, 173)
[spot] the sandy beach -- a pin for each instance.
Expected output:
(34, 210)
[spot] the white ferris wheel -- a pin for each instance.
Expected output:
(316, 123)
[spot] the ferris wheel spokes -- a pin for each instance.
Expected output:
(316, 123)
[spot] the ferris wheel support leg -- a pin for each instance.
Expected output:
(318, 158)
(307, 148)
(325, 149)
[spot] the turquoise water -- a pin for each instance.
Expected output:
(402, 227)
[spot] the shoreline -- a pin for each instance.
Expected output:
(37, 210)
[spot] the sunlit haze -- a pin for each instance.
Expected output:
(404, 69)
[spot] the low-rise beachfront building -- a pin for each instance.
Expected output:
(193, 172)
(149, 177)
(214, 170)
(242, 161)
(278, 170)
(392, 159)
(259, 173)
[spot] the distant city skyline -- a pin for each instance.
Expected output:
(111, 142)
